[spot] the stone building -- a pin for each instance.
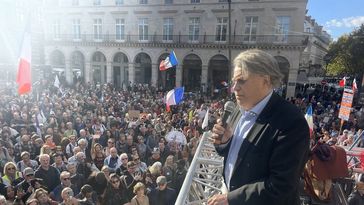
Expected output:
(122, 41)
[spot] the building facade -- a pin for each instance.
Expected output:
(123, 41)
(312, 61)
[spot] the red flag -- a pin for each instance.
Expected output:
(23, 78)
(354, 86)
(162, 66)
(342, 82)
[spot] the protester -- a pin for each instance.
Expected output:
(100, 114)
(140, 198)
(162, 195)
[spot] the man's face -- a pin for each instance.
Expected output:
(249, 90)
(25, 158)
(66, 180)
(113, 152)
(162, 186)
(72, 169)
(44, 162)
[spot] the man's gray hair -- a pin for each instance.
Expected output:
(259, 62)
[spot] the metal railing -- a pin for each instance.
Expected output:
(297, 40)
(204, 177)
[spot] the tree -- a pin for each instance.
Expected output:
(346, 56)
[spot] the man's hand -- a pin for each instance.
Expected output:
(219, 199)
(221, 135)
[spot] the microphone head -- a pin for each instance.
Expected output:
(229, 106)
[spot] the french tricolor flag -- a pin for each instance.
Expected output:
(169, 62)
(174, 97)
(23, 78)
(309, 119)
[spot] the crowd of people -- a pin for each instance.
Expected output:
(94, 144)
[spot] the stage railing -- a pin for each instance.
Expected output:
(204, 177)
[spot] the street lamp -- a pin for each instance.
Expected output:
(229, 43)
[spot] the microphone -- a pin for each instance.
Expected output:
(229, 108)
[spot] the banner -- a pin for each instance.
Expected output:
(346, 104)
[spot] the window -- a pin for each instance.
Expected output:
(194, 29)
(98, 29)
(97, 2)
(143, 1)
(195, 1)
(57, 29)
(167, 29)
(76, 29)
(143, 29)
(119, 2)
(221, 28)
(250, 28)
(75, 3)
(282, 28)
(168, 1)
(120, 29)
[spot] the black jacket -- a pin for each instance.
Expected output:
(271, 158)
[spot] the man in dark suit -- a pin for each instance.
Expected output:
(265, 155)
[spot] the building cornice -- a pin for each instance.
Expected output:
(118, 12)
(252, 9)
(142, 12)
(221, 10)
(285, 9)
(96, 12)
(194, 11)
(168, 11)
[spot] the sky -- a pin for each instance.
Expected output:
(338, 17)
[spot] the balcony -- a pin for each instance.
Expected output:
(236, 40)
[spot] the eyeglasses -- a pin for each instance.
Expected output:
(10, 168)
(124, 158)
(30, 175)
(136, 159)
(110, 142)
(66, 178)
(115, 181)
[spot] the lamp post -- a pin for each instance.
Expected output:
(229, 42)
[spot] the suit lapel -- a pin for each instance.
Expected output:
(250, 139)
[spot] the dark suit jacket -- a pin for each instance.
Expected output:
(271, 157)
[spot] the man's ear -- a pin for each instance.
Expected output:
(267, 80)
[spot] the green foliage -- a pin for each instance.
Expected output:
(346, 56)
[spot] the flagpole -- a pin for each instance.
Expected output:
(229, 45)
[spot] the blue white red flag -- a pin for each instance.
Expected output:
(175, 96)
(169, 62)
(309, 119)
(354, 86)
(23, 78)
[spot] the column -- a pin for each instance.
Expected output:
(204, 73)
(155, 70)
(87, 74)
(68, 72)
(109, 72)
(122, 75)
(131, 72)
(292, 77)
(179, 75)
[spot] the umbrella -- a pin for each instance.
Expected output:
(176, 136)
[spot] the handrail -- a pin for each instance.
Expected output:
(204, 177)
